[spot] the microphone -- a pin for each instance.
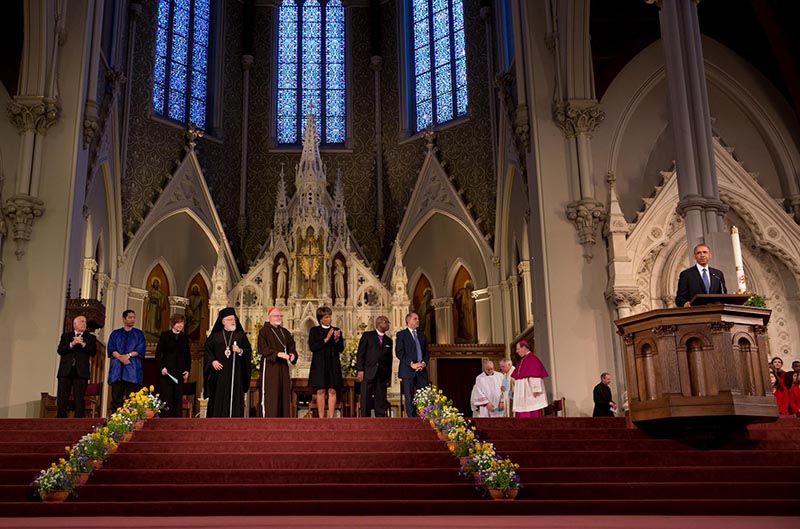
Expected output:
(722, 281)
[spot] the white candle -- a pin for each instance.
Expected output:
(737, 260)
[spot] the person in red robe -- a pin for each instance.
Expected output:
(794, 394)
(780, 392)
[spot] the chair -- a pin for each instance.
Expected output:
(312, 406)
(91, 402)
(556, 406)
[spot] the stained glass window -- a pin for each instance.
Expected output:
(180, 79)
(438, 56)
(311, 70)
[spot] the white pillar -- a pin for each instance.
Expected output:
(444, 321)
(483, 311)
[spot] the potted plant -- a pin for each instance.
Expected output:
(479, 459)
(120, 426)
(96, 446)
(501, 479)
(460, 439)
(80, 464)
(56, 482)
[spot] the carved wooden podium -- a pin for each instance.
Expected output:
(702, 361)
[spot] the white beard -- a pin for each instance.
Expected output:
(231, 328)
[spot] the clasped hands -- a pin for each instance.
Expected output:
(335, 333)
(78, 340)
(417, 366)
(126, 359)
(491, 407)
(289, 357)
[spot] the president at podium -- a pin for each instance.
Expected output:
(699, 279)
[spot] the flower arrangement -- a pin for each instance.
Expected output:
(119, 424)
(349, 357)
(755, 301)
(59, 477)
(143, 403)
(78, 460)
(98, 444)
(501, 475)
(491, 471)
(255, 365)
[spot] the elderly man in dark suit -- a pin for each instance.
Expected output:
(699, 279)
(75, 349)
(412, 351)
(374, 367)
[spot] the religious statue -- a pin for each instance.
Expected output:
(195, 311)
(309, 259)
(427, 315)
(466, 313)
(281, 270)
(155, 307)
(338, 280)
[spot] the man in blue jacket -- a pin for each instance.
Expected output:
(412, 351)
(126, 348)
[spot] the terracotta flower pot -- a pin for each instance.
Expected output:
(127, 436)
(441, 435)
(149, 414)
(498, 494)
(96, 463)
(451, 445)
(56, 495)
(138, 425)
(81, 477)
(113, 449)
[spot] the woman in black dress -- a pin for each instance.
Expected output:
(326, 344)
(175, 361)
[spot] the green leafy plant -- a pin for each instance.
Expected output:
(756, 301)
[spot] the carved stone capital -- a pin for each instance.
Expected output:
(178, 302)
(628, 338)
(524, 267)
(192, 134)
(90, 123)
(760, 329)
(247, 62)
(664, 330)
(441, 303)
(36, 114)
(720, 326)
(576, 119)
(376, 63)
(116, 78)
(625, 298)
(522, 127)
(587, 215)
(20, 210)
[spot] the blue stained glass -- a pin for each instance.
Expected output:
(288, 51)
(312, 30)
(311, 103)
(423, 86)
(334, 49)
(287, 130)
(334, 102)
(458, 15)
(421, 35)
(312, 50)
(201, 30)
(459, 46)
(443, 80)
(334, 29)
(335, 132)
(178, 77)
(198, 113)
(287, 76)
(420, 10)
(334, 76)
(461, 72)
(422, 60)
(438, 5)
(441, 52)
(288, 11)
(461, 100)
(161, 42)
(202, 8)
(312, 76)
(287, 102)
(444, 106)
(424, 115)
(180, 24)
(199, 59)
(163, 13)
(158, 98)
(312, 11)
(177, 105)
(199, 85)
(441, 24)
(161, 70)
(180, 49)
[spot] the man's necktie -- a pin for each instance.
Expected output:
(419, 349)
(706, 281)
(380, 339)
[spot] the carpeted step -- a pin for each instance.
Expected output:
(404, 434)
(47, 425)
(740, 475)
(287, 424)
(640, 458)
(270, 447)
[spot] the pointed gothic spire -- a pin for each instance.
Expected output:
(338, 190)
(281, 199)
(615, 222)
(399, 276)
(310, 161)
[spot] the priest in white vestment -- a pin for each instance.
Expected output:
(487, 395)
(507, 369)
(530, 398)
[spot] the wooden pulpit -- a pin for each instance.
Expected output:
(708, 360)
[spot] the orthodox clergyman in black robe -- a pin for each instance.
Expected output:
(227, 366)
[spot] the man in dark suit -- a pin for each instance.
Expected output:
(75, 348)
(699, 279)
(374, 367)
(604, 405)
(412, 351)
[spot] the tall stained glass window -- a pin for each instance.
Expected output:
(311, 70)
(439, 61)
(180, 80)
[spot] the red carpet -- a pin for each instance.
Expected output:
(380, 467)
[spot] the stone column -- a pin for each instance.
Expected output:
(87, 278)
(247, 63)
(444, 320)
(376, 63)
(513, 294)
(177, 305)
(483, 312)
(524, 269)
(90, 117)
(698, 191)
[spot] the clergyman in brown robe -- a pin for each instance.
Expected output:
(277, 348)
